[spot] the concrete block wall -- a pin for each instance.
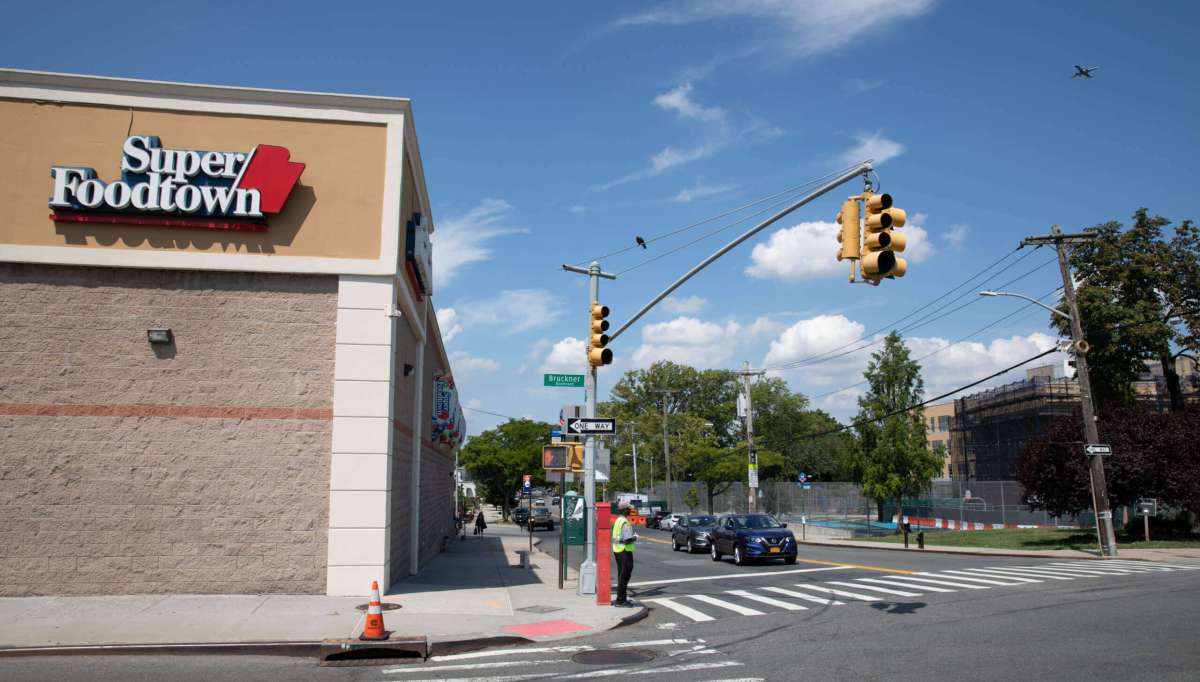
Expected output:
(200, 467)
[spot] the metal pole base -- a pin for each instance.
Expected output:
(587, 578)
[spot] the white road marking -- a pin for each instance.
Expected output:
(729, 606)
(1004, 571)
(425, 670)
(1100, 568)
(668, 626)
(737, 679)
(806, 597)
(1076, 572)
(670, 581)
(653, 642)
(767, 600)
(840, 593)
(893, 583)
(681, 668)
(988, 574)
(974, 580)
(682, 610)
(1182, 567)
(921, 582)
(499, 678)
(510, 652)
(700, 650)
(898, 593)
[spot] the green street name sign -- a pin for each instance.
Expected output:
(563, 380)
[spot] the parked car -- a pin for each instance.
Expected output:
(752, 536)
(693, 532)
(668, 522)
(540, 518)
(520, 515)
(654, 520)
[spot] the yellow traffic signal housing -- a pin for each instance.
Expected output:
(598, 355)
(882, 242)
(848, 236)
(575, 457)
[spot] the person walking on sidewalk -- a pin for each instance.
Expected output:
(480, 524)
(623, 542)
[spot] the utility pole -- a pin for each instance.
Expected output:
(587, 569)
(751, 453)
(633, 440)
(667, 445)
(1091, 435)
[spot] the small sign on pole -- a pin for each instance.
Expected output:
(1097, 449)
(583, 425)
(563, 380)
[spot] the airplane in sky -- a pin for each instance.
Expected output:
(1085, 72)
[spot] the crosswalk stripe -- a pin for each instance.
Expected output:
(947, 583)
(682, 610)
(730, 606)
(1005, 571)
(839, 593)
(1100, 568)
(985, 573)
(805, 597)
(684, 667)
(893, 583)
(1085, 571)
(970, 579)
(1056, 571)
(767, 600)
(1144, 565)
(1183, 567)
(856, 585)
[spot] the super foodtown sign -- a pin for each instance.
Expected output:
(179, 187)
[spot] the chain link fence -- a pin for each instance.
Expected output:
(842, 507)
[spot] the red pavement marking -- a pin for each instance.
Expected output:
(546, 628)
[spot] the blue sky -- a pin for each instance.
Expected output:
(553, 132)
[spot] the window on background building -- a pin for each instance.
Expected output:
(944, 423)
(935, 444)
(933, 423)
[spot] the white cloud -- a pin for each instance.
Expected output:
(809, 250)
(872, 146)
(566, 356)
(670, 157)
(680, 101)
(511, 311)
(796, 29)
(448, 322)
(465, 363)
(857, 86)
(684, 306)
(462, 239)
(813, 337)
(699, 343)
(701, 191)
(956, 235)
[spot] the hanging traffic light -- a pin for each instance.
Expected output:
(848, 235)
(882, 243)
(598, 355)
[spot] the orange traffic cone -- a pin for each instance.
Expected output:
(373, 628)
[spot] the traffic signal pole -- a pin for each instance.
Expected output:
(1091, 434)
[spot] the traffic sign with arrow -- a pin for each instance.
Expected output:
(1097, 449)
(584, 425)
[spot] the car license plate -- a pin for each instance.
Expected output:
(775, 550)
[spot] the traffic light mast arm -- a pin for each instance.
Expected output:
(856, 171)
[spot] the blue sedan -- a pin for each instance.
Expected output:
(752, 536)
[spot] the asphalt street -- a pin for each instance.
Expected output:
(838, 613)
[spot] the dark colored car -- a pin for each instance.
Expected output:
(693, 532)
(752, 536)
(540, 518)
(655, 519)
(520, 515)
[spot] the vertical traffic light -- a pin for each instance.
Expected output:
(848, 235)
(598, 355)
(882, 242)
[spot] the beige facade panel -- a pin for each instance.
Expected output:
(333, 212)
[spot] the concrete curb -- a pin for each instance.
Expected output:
(947, 550)
(293, 649)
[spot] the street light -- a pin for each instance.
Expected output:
(1023, 297)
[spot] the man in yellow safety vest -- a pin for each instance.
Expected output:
(624, 540)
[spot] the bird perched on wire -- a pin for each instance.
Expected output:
(641, 242)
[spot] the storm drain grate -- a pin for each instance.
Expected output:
(540, 609)
(384, 606)
(613, 656)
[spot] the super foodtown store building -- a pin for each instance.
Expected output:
(220, 368)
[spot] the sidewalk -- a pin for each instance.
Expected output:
(1136, 554)
(470, 593)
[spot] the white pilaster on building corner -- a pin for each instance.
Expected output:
(360, 467)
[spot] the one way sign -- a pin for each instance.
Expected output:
(582, 425)
(1097, 449)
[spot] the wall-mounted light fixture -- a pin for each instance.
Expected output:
(408, 369)
(159, 335)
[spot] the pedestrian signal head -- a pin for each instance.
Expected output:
(597, 354)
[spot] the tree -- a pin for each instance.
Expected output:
(893, 458)
(719, 468)
(497, 458)
(1138, 301)
(691, 498)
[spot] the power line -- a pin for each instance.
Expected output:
(670, 233)
(494, 414)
